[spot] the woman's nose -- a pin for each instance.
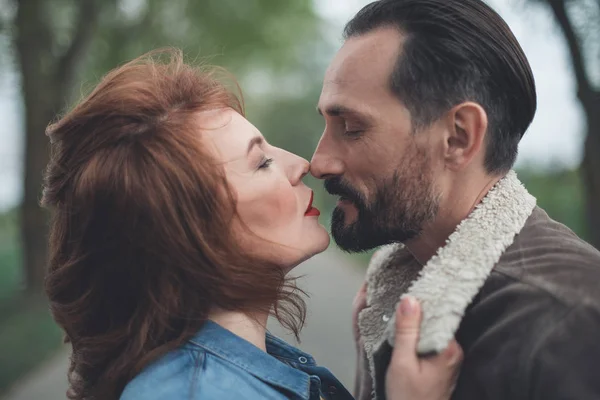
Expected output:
(299, 168)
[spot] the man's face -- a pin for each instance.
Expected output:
(368, 154)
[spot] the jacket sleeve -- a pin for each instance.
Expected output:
(565, 363)
(523, 344)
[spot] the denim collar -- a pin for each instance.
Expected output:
(268, 367)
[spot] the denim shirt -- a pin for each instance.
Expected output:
(217, 364)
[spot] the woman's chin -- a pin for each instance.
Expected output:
(325, 244)
(319, 243)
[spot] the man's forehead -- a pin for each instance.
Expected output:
(366, 59)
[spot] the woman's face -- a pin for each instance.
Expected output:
(272, 202)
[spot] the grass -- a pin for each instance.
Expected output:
(28, 333)
(28, 336)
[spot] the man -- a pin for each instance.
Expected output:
(425, 105)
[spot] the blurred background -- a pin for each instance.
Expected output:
(53, 52)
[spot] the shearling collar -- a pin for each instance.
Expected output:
(447, 284)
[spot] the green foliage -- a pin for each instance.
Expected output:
(240, 35)
(10, 258)
(561, 194)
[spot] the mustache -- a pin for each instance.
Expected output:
(337, 187)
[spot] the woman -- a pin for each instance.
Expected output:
(174, 226)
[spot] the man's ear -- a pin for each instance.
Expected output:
(467, 126)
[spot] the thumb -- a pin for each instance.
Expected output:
(360, 300)
(408, 321)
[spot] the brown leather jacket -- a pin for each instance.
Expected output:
(528, 318)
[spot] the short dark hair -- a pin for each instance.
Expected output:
(455, 51)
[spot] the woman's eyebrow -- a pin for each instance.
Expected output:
(255, 141)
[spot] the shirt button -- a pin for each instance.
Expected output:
(386, 318)
(303, 360)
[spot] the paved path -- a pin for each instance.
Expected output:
(331, 282)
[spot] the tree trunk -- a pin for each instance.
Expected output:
(590, 100)
(33, 44)
(47, 80)
(591, 167)
(34, 221)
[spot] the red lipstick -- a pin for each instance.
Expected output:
(310, 210)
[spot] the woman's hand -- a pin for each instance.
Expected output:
(362, 378)
(359, 303)
(415, 378)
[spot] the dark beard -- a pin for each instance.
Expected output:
(401, 205)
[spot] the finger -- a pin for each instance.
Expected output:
(359, 303)
(453, 354)
(449, 359)
(360, 300)
(408, 321)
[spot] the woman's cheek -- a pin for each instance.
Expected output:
(269, 210)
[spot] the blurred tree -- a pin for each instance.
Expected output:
(579, 21)
(60, 42)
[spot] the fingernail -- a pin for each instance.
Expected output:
(452, 353)
(408, 306)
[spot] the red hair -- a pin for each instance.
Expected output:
(140, 244)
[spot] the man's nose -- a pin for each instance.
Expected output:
(324, 162)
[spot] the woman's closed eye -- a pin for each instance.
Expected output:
(265, 163)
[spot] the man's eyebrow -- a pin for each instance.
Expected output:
(255, 141)
(337, 110)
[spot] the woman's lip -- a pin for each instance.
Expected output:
(312, 212)
(312, 196)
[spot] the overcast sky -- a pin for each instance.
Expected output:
(554, 138)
